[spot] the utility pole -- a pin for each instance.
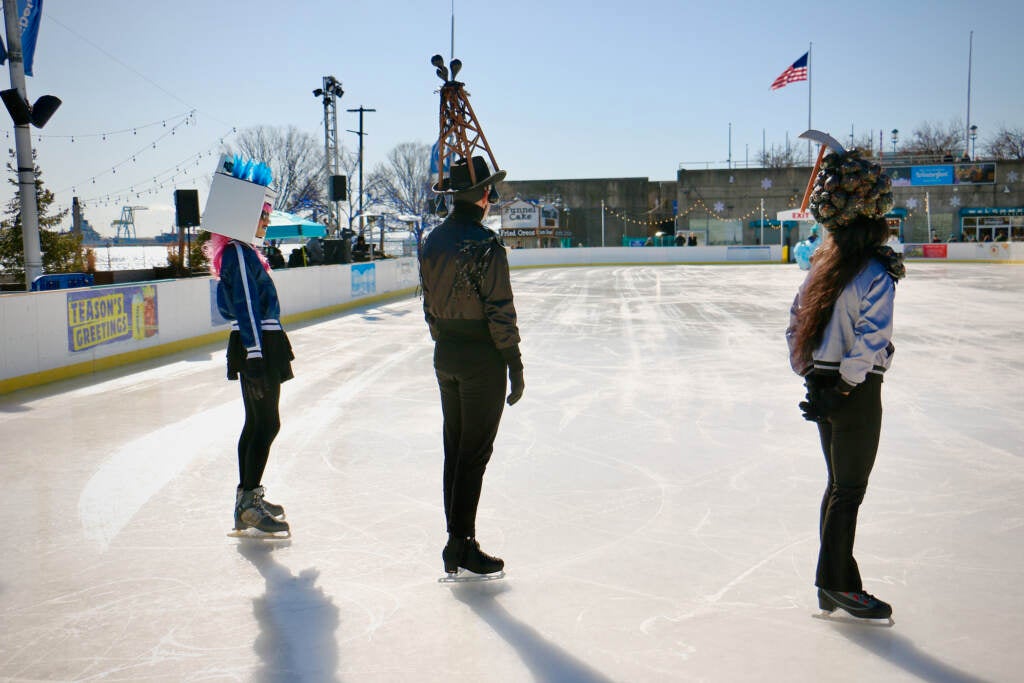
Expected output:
(360, 133)
(23, 150)
(330, 91)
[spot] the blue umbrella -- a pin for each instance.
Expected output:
(283, 225)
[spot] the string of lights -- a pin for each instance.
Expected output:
(186, 116)
(130, 159)
(188, 169)
(697, 204)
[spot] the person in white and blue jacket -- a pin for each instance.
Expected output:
(840, 341)
(259, 354)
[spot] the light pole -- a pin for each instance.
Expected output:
(360, 133)
(895, 135)
(15, 100)
(330, 91)
(974, 136)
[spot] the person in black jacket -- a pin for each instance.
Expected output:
(467, 303)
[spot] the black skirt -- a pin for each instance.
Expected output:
(277, 355)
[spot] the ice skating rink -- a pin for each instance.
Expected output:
(654, 495)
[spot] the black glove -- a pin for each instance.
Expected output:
(515, 378)
(822, 402)
(254, 382)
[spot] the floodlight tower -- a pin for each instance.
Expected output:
(330, 92)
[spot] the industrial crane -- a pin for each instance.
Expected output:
(125, 225)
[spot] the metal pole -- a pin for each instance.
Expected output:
(23, 151)
(602, 222)
(730, 145)
(361, 110)
(928, 213)
(970, 55)
(762, 220)
(810, 48)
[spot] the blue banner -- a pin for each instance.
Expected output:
(29, 12)
(434, 153)
(364, 280)
(931, 175)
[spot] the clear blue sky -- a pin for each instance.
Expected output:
(563, 89)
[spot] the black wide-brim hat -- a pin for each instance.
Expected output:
(459, 179)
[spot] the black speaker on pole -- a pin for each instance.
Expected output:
(186, 208)
(337, 188)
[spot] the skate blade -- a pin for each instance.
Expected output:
(258, 535)
(845, 618)
(466, 576)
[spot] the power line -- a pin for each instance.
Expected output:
(126, 66)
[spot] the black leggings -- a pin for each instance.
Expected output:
(262, 423)
(849, 442)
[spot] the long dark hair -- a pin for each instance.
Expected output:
(842, 255)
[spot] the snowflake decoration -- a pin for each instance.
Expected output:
(719, 207)
(955, 201)
(912, 203)
(766, 183)
(1012, 177)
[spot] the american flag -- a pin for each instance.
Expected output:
(796, 72)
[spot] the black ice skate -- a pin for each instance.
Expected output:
(464, 561)
(253, 520)
(862, 605)
(276, 511)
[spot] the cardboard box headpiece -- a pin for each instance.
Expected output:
(239, 194)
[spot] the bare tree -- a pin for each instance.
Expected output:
(1006, 144)
(782, 157)
(934, 139)
(296, 160)
(403, 181)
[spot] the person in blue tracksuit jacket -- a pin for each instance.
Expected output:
(259, 354)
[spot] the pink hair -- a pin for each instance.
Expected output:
(214, 250)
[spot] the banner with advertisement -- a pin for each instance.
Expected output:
(520, 214)
(942, 174)
(106, 316)
(364, 279)
(992, 250)
(215, 317)
(925, 250)
(29, 12)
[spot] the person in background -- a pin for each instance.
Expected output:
(840, 342)
(468, 307)
(260, 355)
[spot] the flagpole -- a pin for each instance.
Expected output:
(967, 131)
(809, 126)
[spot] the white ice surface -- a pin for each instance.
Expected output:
(655, 496)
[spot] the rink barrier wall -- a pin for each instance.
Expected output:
(953, 252)
(35, 336)
(966, 252)
(635, 256)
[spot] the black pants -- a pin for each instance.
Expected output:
(262, 423)
(472, 383)
(849, 442)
